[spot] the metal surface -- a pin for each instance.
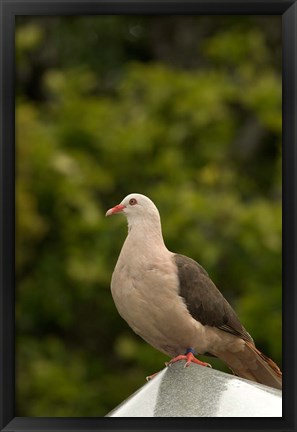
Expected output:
(199, 391)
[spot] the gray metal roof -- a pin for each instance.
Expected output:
(199, 391)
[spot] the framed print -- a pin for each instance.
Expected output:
(188, 110)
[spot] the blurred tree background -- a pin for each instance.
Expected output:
(184, 109)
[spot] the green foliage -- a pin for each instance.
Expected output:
(202, 140)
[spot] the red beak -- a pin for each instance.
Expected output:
(117, 209)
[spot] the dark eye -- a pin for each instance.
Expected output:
(133, 201)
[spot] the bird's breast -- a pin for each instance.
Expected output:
(146, 296)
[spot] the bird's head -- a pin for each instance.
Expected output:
(136, 207)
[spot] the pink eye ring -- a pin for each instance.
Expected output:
(133, 201)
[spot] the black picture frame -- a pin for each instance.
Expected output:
(9, 9)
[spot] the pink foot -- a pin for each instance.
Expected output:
(148, 378)
(190, 358)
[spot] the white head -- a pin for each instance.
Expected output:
(137, 208)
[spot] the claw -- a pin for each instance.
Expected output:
(190, 358)
(149, 377)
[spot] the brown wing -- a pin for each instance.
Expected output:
(204, 301)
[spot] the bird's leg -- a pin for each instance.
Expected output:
(189, 357)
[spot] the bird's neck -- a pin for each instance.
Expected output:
(145, 233)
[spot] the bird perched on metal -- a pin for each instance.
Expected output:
(170, 301)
